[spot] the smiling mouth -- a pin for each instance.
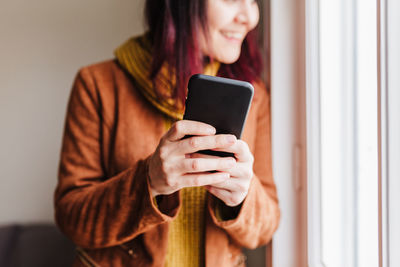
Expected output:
(232, 36)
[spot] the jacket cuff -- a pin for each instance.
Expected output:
(224, 212)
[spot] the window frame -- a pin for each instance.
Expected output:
(389, 130)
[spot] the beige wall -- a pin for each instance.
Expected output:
(42, 45)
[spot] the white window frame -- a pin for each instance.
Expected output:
(389, 131)
(352, 238)
(313, 127)
(288, 76)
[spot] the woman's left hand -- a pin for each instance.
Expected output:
(234, 190)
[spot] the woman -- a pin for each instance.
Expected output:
(131, 192)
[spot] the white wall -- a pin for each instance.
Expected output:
(42, 45)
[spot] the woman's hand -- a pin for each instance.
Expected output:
(173, 166)
(234, 190)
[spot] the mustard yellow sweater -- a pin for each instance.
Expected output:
(186, 233)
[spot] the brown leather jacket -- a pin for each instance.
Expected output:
(102, 200)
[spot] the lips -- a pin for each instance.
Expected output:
(232, 35)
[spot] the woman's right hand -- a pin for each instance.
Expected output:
(172, 167)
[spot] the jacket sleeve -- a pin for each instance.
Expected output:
(93, 209)
(254, 221)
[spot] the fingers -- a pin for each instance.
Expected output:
(232, 185)
(241, 170)
(236, 170)
(202, 179)
(197, 143)
(230, 199)
(240, 149)
(194, 165)
(185, 127)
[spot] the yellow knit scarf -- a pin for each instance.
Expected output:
(135, 56)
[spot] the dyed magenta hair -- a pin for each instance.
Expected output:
(174, 26)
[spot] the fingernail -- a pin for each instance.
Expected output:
(231, 138)
(211, 130)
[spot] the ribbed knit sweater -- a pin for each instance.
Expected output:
(186, 232)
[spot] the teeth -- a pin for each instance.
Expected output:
(234, 35)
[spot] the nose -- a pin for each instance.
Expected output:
(244, 11)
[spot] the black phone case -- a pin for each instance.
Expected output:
(220, 102)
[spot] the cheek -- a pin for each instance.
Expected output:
(254, 18)
(217, 46)
(219, 17)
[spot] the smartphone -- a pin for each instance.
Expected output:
(221, 102)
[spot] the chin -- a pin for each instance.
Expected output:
(228, 58)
